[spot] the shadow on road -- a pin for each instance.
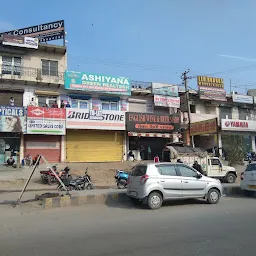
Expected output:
(125, 203)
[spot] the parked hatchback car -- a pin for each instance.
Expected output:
(248, 179)
(156, 182)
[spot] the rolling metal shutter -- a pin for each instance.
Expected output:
(94, 146)
(48, 146)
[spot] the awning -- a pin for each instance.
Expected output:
(47, 93)
(155, 135)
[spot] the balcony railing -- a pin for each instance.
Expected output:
(30, 75)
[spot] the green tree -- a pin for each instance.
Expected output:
(235, 148)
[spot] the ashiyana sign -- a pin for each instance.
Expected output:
(97, 83)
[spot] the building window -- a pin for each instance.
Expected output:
(83, 104)
(11, 65)
(109, 105)
(225, 113)
(46, 101)
(49, 68)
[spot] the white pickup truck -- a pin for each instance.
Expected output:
(212, 166)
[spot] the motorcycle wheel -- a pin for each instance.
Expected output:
(121, 184)
(89, 187)
(51, 180)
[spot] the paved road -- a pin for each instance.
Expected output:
(178, 228)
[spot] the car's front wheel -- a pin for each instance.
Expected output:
(213, 196)
(230, 178)
(155, 200)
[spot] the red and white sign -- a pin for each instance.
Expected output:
(167, 101)
(78, 118)
(238, 125)
(51, 121)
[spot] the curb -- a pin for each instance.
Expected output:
(66, 201)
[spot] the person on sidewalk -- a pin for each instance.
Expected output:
(10, 161)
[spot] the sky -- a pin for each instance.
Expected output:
(151, 40)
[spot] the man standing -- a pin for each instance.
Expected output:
(149, 153)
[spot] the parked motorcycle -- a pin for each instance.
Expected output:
(78, 183)
(49, 178)
(121, 179)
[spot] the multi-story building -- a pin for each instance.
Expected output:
(30, 77)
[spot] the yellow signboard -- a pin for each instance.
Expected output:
(210, 82)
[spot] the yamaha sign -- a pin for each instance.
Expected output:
(238, 125)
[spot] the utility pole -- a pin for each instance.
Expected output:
(184, 77)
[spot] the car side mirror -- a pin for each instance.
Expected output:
(199, 176)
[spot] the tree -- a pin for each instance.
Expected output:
(234, 147)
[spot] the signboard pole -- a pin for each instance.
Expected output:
(185, 78)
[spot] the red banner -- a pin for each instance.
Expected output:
(51, 113)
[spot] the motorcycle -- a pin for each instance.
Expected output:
(121, 179)
(49, 178)
(78, 183)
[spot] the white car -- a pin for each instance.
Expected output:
(248, 179)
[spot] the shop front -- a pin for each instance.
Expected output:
(12, 126)
(95, 135)
(246, 129)
(149, 133)
(45, 127)
(205, 134)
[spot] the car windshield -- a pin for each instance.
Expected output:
(251, 167)
(139, 170)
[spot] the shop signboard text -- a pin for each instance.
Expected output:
(97, 83)
(204, 127)
(167, 101)
(51, 121)
(165, 89)
(95, 119)
(12, 119)
(242, 98)
(146, 122)
(44, 32)
(238, 125)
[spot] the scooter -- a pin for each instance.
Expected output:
(121, 179)
(78, 183)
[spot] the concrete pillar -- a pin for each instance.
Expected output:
(22, 148)
(220, 144)
(63, 149)
(125, 146)
(253, 143)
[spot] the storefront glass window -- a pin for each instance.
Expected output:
(74, 104)
(107, 105)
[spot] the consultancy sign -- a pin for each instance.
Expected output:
(204, 127)
(44, 32)
(98, 83)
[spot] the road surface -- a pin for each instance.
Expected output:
(183, 228)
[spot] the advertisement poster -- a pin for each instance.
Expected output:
(97, 83)
(242, 98)
(238, 125)
(206, 81)
(44, 32)
(124, 105)
(20, 41)
(212, 93)
(96, 104)
(204, 127)
(165, 89)
(167, 101)
(95, 119)
(152, 123)
(50, 121)
(12, 119)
